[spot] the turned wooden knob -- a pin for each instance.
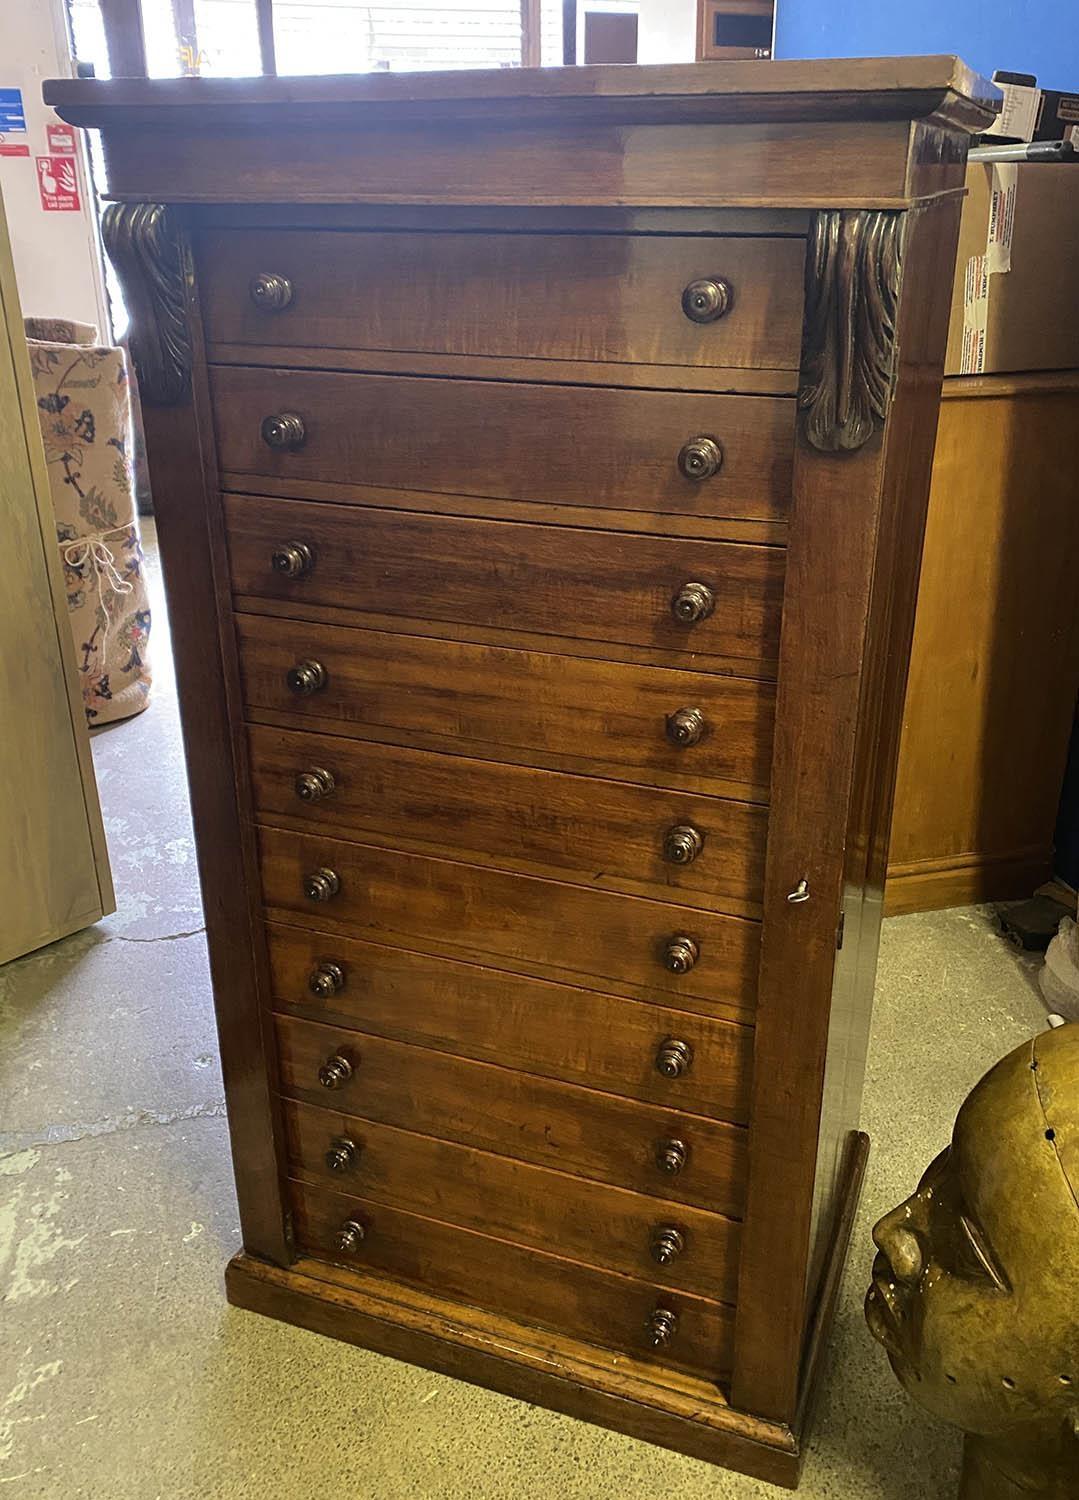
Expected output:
(321, 885)
(285, 429)
(305, 678)
(292, 559)
(682, 844)
(326, 980)
(666, 1243)
(684, 727)
(661, 1327)
(692, 603)
(707, 299)
(312, 784)
(680, 954)
(335, 1071)
(351, 1236)
(700, 458)
(671, 1156)
(341, 1157)
(271, 293)
(674, 1057)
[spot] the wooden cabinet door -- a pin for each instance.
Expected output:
(54, 870)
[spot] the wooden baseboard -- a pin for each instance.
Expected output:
(967, 880)
(666, 1407)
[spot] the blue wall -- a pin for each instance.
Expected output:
(1024, 36)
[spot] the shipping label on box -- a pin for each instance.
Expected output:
(975, 316)
(998, 240)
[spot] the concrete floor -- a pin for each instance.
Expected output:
(124, 1375)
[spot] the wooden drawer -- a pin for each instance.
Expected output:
(569, 713)
(576, 1130)
(602, 1041)
(613, 1311)
(564, 581)
(603, 1226)
(563, 932)
(567, 445)
(598, 833)
(527, 296)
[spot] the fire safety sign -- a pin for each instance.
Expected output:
(58, 184)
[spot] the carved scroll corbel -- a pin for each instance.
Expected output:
(853, 264)
(146, 252)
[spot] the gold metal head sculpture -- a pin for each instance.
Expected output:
(975, 1292)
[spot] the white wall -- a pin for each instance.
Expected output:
(667, 31)
(56, 265)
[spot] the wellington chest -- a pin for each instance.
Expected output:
(540, 462)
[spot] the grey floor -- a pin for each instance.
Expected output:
(124, 1374)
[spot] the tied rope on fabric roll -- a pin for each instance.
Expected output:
(95, 549)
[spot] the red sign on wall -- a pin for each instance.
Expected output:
(61, 140)
(58, 184)
(11, 148)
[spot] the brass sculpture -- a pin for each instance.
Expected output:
(975, 1292)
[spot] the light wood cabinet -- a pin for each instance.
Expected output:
(54, 869)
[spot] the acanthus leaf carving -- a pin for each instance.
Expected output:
(853, 266)
(146, 252)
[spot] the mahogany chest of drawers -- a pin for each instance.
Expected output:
(540, 462)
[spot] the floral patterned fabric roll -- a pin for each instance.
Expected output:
(84, 405)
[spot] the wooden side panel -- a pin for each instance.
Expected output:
(852, 577)
(989, 706)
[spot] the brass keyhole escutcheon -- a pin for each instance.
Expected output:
(674, 1057)
(707, 299)
(682, 844)
(326, 980)
(313, 784)
(292, 559)
(270, 292)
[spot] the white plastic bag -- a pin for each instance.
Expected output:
(1059, 976)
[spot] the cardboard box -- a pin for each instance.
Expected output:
(1014, 303)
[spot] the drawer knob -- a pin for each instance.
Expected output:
(305, 678)
(661, 1327)
(692, 603)
(700, 458)
(684, 727)
(679, 955)
(341, 1157)
(666, 1243)
(674, 1057)
(286, 430)
(326, 980)
(313, 784)
(335, 1071)
(321, 885)
(292, 560)
(682, 844)
(351, 1236)
(706, 300)
(671, 1156)
(271, 293)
